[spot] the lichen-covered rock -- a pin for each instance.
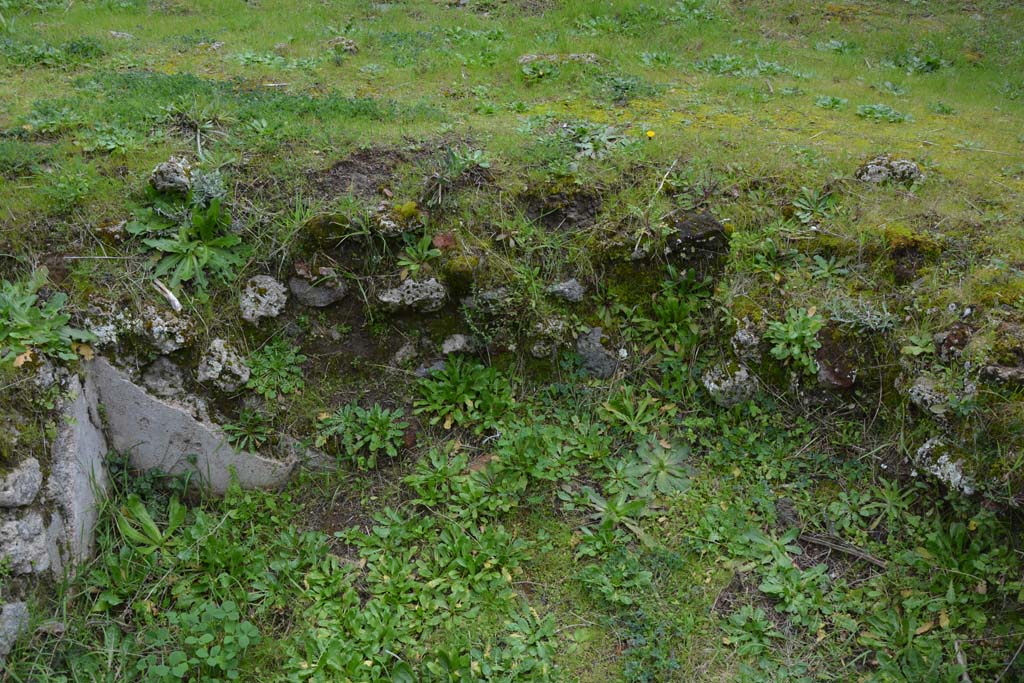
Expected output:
(112, 232)
(223, 366)
(165, 331)
(746, 342)
(927, 395)
(570, 290)
(458, 343)
(25, 543)
(428, 369)
(884, 169)
(343, 44)
(1004, 374)
(48, 374)
(935, 457)
(597, 360)
(405, 354)
(388, 223)
(172, 176)
(262, 297)
(13, 621)
(20, 486)
(934, 397)
(316, 296)
(547, 335)
(425, 296)
(489, 300)
(105, 326)
(561, 58)
(729, 385)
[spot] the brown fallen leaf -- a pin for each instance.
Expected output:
(83, 350)
(23, 358)
(480, 462)
(444, 240)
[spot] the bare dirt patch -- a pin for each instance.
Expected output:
(364, 173)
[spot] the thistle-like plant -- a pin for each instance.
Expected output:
(276, 369)
(360, 434)
(665, 465)
(417, 255)
(26, 326)
(812, 206)
(202, 247)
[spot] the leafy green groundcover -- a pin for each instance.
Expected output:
(575, 535)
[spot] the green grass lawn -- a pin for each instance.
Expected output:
(513, 518)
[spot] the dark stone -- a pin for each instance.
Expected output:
(315, 296)
(698, 238)
(1004, 374)
(564, 210)
(906, 264)
(787, 514)
(597, 360)
(570, 290)
(951, 343)
(835, 366)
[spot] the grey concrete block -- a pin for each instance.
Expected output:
(159, 434)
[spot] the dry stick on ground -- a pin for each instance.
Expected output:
(650, 204)
(961, 659)
(843, 547)
(1009, 664)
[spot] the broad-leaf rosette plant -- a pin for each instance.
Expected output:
(359, 434)
(796, 339)
(465, 393)
(27, 327)
(201, 247)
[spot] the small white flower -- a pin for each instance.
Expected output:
(623, 354)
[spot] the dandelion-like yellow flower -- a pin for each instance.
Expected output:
(650, 135)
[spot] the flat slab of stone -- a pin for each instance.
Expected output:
(20, 486)
(78, 477)
(13, 620)
(157, 434)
